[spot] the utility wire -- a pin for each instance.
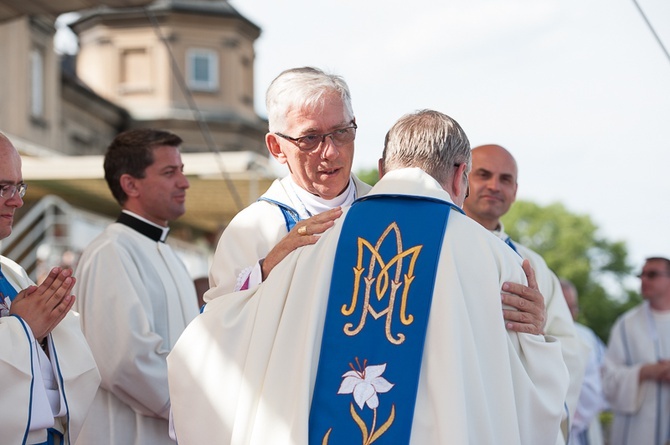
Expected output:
(204, 128)
(651, 28)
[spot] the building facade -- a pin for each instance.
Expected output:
(186, 66)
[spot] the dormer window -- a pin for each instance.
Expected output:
(202, 68)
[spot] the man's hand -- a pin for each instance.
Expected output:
(43, 307)
(304, 233)
(659, 372)
(530, 315)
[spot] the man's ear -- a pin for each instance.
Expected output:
(457, 184)
(129, 185)
(274, 148)
(380, 168)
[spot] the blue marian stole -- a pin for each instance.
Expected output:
(6, 289)
(376, 319)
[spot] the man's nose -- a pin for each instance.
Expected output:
(183, 181)
(328, 148)
(493, 183)
(15, 201)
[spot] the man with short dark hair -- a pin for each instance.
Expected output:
(135, 295)
(48, 375)
(636, 372)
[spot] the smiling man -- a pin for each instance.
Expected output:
(312, 131)
(493, 187)
(135, 295)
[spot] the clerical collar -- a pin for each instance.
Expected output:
(499, 229)
(314, 205)
(143, 226)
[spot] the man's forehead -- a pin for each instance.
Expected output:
(493, 168)
(9, 160)
(166, 155)
(655, 264)
(494, 163)
(329, 109)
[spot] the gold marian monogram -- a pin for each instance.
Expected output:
(382, 284)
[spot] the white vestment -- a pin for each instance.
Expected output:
(586, 428)
(26, 413)
(243, 372)
(559, 322)
(253, 233)
(638, 337)
(135, 297)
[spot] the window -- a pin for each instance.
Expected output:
(202, 68)
(36, 83)
(136, 71)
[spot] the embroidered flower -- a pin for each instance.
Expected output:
(365, 384)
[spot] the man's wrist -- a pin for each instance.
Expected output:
(260, 263)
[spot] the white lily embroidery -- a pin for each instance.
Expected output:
(365, 384)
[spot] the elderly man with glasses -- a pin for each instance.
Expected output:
(48, 374)
(636, 371)
(312, 131)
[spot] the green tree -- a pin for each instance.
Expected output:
(369, 176)
(573, 249)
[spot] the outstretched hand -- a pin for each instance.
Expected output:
(530, 315)
(302, 234)
(43, 307)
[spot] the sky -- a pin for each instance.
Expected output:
(577, 90)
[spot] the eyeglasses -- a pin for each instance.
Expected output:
(652, 274)
(9, 190)
(340, 137)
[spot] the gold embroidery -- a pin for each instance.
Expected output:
(381, 282)
(368, 438)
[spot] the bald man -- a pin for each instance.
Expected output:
(493, 187)
(47, 372)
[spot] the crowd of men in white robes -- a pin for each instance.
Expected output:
(336, 312)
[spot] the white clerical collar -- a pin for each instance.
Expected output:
(314, 204)
(164, 230)
(499, 231)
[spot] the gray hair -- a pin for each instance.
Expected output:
(303, 89)
(429, 140)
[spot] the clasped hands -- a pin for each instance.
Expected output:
(43, 307)
(659, 371)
